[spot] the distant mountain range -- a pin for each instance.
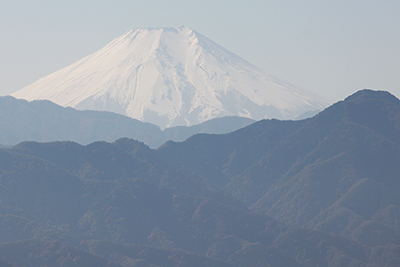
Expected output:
(316, 192)
(44, 121)
(171, 77)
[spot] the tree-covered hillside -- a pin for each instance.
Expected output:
(317, 192)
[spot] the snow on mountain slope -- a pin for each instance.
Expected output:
(169, 77)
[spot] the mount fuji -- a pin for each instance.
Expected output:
(170, 77)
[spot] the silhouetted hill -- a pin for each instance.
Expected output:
(214, 126)
(337, 172)
(44, 121)
(126, 193)
(316, 192)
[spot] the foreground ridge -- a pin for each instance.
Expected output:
(316, 192)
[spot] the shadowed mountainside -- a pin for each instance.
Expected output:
(44, 121)
(337, 172)
(317, 192)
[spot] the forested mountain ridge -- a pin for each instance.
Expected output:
(317, 192)
(341, 165)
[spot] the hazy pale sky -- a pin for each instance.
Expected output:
(330, 47)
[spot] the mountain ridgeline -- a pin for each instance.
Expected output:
(44, 121)
(316, 192)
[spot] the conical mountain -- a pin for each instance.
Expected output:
(169, 77)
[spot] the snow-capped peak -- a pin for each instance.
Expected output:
(171, 76)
